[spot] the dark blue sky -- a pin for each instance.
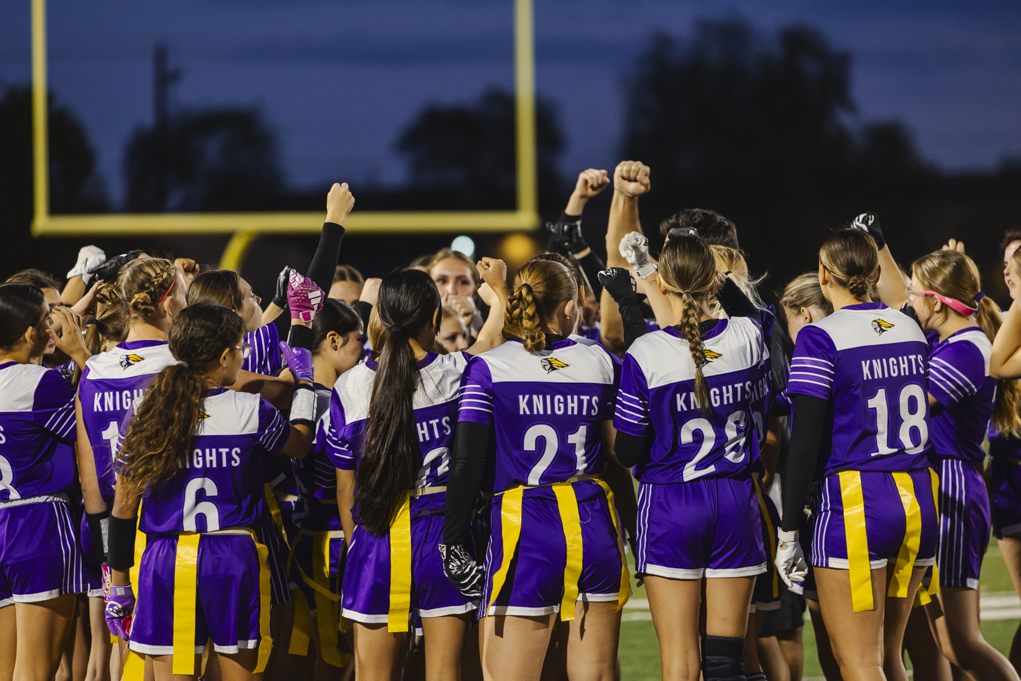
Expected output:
(338, 80)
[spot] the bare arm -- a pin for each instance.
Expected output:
(1005, 360)
(277, 390)
(630, 180)
(891, 282)
(494, 274)
(345, 502)
(87, 475)
(271, 312)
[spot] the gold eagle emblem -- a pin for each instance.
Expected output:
(130, 360)
(710, 355)
(551, 364)
(881, 326)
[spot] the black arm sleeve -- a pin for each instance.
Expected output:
(802, 458)
(631, 449)
(733, 300)
(590, 266)
(364, 311)
(324, 262)
(780, 369)
(300, 337)
(633, 316)
(467, 468)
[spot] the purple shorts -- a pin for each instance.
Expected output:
(228, 604)
(273, 539)
(1005, 496)
(534, 584)
(766, 595)
(40, 558)
(367, 570)
(963, 523)
(704, 528)
(315, 553)
(885, 520)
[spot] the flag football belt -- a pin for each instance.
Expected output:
(327, 602)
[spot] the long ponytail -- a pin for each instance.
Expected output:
(408, 302)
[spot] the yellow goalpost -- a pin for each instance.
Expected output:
(245, 227)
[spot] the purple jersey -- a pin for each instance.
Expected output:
(435, 405)
(1003, 446)
(37, 427)
(871, 364)
(112, 384)
(959, 380)
(221, 484)
(546, 408)
(316, 476)
(265, 358)
(657, 398)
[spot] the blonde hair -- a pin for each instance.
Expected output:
(733, 261)
(448, 253)
(687, 268)
(956, 276)
(144, 282)
(804, 291)
(540, 287)
(852, 259)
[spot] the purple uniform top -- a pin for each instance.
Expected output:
(1003, 446)
(265, 358)
(959, 380)
(871, 364)
(316, 476)
(112, 384)
(221, 484)
(546, 408)
(657, 397)
(37, 427)
(435, 405)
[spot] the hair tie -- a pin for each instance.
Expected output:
(688, 293)
(163, 297)
(397, 328)
(980, 296)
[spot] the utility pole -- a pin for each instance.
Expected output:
(163, 79)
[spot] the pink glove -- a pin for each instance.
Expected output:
(304, 297)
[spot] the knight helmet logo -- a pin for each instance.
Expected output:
(203, 415)
(881, 326)
(710, 355)
(130, 360)
(551, 364)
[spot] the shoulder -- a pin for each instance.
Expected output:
(873, 325)
(969, 350)
(231, 413)
(19, 384)
(353, 390)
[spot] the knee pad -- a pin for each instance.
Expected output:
(723, 659)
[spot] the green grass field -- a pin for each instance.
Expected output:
(639, 649)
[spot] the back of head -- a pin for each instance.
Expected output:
(408, 303)
(159, 435)
(804, 292)
(144, 283)
(335, 316)
(217, 287)
(540, 288)
(347, 273)
(36, 278)
(21, 307)
(687, 268)
(732, 260)
(712, 227)
(852, 259)
(110, 321)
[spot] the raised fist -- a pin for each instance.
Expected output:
(339, 203)
(591, 182)
(631, 178)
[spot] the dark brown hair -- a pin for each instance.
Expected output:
(159, 435)
(1010, 236)
(712, 227)
(21, 308)
(540, 287)
(36, 278)
(852, 259)
(217, 287)
(336, 316)
(347, 273)
(408, 302)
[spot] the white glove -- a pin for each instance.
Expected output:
(790, 561)
(88, 258)
(635, 249)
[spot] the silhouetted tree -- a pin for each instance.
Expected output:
(468, 150)
(215, 160)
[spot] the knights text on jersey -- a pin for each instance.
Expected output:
(435, 405)
(657, 398)
(546, 408)
(37, 431)
(221, 485)
(112, 384)
(959, 380)
(871, 364)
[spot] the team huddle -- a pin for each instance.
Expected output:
(441, 474)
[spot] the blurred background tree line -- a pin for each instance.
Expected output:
(761, 128)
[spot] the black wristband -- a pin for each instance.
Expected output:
(300, 337)
(122, 543)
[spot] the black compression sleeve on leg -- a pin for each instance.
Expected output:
(723, 659)
(802, 457)
(324, 262)
(467, 467)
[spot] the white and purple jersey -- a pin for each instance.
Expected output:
(316, 476)
(871, 364)
(959, 380)
(113, 383)
(546, 408)
(435, 405)
(221, 485)
(265, 358)
(37, 429)
(657, 398)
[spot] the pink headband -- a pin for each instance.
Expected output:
(953, 303)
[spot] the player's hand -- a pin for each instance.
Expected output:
(631, 178)
(618, 282)
(188, 268)
(953, 245)
(66, 332)
(465, 308)
(790, 561)
(89, 258)
(109, 270)
(370, 291)
(304, 297)
(568, 235)
(462, 570)
(299, 361)
(635, 249)
(591, 182)
(85, 302)
(493, 271)
(280, 292)
(120, 608)
(339, 203)
(869, 223)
